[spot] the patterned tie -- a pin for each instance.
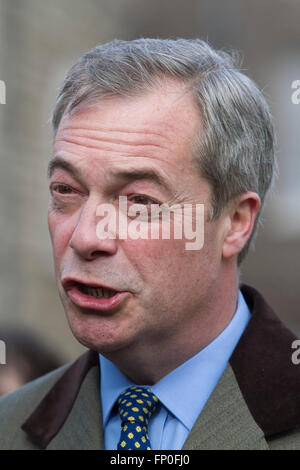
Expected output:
(136, 406)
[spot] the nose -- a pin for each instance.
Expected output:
(85, 239)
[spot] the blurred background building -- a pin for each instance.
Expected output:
(40, 40)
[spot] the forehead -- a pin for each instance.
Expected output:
(164, 117)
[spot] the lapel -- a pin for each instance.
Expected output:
(83, 428)
(225, 422)
(69, 416)
(262, 364)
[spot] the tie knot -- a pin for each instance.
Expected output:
(136, 405)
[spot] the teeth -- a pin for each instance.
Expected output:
(98, 292)
(105, 293)
(95, 292)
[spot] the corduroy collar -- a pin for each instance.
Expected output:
(262, 363)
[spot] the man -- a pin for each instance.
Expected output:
(173, 124)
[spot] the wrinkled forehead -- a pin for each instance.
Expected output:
(168, 111)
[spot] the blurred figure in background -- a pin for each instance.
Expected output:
(27, 358)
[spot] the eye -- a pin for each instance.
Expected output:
(141, 199)
(61, 188)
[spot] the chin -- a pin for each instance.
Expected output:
(94, 332)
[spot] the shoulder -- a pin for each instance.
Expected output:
(268, 378)
(15, 407)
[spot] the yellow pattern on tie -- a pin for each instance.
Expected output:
(136, 406)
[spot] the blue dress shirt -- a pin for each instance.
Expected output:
(182, 393)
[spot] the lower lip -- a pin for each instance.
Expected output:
(86, 301)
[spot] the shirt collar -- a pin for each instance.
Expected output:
(185, 390)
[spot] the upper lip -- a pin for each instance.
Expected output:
(69, 282)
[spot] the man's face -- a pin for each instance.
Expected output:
(141, 148)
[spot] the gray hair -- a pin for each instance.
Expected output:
(236, 154)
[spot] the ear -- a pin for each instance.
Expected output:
(242, 213)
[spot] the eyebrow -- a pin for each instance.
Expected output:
(126, 176)
(141, 174)
(60, 163)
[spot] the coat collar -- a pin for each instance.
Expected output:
(262, 363)
(50, 415)
(262, 366)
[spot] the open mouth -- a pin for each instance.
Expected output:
(93, 296)
(96, 292)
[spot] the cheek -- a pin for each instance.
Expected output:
(165, 262)
(60, 232)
